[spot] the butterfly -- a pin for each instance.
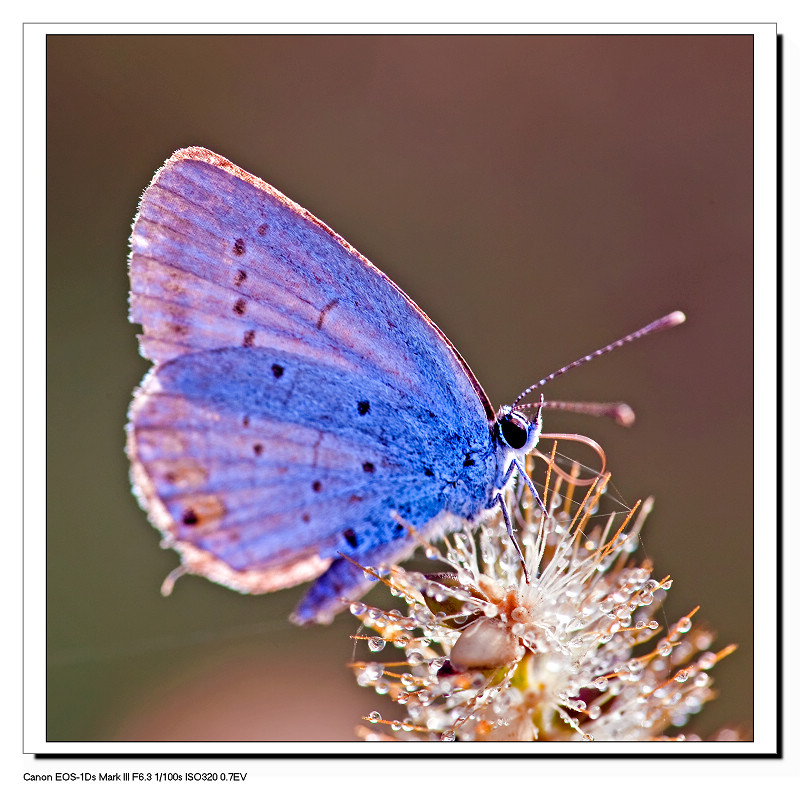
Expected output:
(302, 412)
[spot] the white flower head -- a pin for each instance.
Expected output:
(489, 654)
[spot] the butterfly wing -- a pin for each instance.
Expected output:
(298, 397)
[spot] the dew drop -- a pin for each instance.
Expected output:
(703, 640)
(363, 678)
(707, 660)
(575, 624)
(376, 644)
(408, 680)
(448, 736)
(694, 703)
(605, 606)
(374, 717)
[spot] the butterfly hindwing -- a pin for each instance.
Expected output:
(262, 468)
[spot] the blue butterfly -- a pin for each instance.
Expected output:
(302, 411)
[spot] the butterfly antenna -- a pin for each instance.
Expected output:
(669, 321)
(621, 413)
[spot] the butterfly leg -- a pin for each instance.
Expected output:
(528, 482)
(498, 500)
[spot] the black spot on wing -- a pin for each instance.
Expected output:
(277, 370)
(351, 538)
(239, 306)
(238, 247)
(363, 407)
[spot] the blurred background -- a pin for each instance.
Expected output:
(538, 196)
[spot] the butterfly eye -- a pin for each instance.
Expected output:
(514, 429)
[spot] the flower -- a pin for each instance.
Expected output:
(566, 647)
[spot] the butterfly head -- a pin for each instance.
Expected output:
(516, 431)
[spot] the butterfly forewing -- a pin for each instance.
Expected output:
(221, 259)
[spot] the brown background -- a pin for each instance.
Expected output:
(538, 196)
